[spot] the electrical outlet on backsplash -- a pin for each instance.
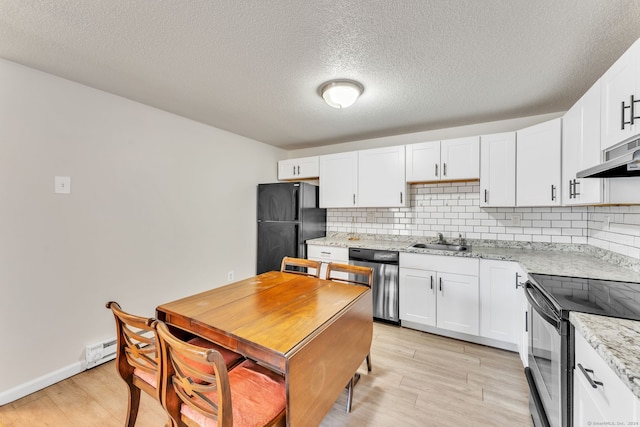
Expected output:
(454, 208)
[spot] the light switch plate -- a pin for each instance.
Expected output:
(62, 185)
(516, 218)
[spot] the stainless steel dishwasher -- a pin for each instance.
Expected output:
(385, 281)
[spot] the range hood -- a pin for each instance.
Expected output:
(622, 161)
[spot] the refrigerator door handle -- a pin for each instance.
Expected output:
(296, 203)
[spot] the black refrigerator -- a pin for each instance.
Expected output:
(288, 216)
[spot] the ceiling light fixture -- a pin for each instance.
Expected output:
(340, 93)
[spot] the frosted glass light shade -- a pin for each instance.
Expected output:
(341, 93)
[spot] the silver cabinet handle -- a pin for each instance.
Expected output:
(486, 199)
(571, 189)
(440, 284)
(354, 198)
(431, 282)
(553, 192)
(632, 113)
(436, 169)
(298, 169)
(518, 284)
(586, 373)
(294, 170)
(444, 169)
(575, 188)
(401, 197)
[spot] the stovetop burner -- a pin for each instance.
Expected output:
(594, 296)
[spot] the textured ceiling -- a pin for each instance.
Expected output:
(253, 67)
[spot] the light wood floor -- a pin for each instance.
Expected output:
(418, 379)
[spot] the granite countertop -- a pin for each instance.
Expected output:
(542, 258)
(616, 341)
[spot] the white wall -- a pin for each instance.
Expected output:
(432, 135)
(161, 207)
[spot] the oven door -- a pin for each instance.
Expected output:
(546, 365)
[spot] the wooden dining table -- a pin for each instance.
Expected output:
(315, 332)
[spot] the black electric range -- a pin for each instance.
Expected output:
(551, 336)
(593, 296)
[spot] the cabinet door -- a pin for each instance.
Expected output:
(308, 167)
(523, 317)
(610, 402)
(418, 296)
(338, 180)
(287, 169)
(618, 84)
(423, 161)
(581, 149)
(303, 168)
(458, 303)
(381, 177)
(460, 158)
(498, 169)
(499, 301)
(538, 164)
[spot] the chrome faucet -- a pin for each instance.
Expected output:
(440, 238)
(461, 240)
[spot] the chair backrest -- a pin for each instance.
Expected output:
(354, 274)
(137, 349)
(187, 378)
(302, 266)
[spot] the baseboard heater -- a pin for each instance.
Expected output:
(100, 353)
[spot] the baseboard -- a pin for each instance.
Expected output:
(460, 336)
(39, 383)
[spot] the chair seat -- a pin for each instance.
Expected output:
(258, 397)
(148, 377)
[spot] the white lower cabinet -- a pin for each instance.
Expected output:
(610, 402)
(440, 291)
(500, 301)
(327, 254)
(523, 319)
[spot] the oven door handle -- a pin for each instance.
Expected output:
(552, 320)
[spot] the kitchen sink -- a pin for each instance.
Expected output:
(442, 246)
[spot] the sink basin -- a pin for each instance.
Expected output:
(442, 246)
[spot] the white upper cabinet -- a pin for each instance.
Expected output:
(303, 168)
(367, 178)
(423, 161)
(460, 158)
(339, 180)
(538, 150)
(498, 169)
(620, 88)
(381, 177)
(448, 160)
(581, 149)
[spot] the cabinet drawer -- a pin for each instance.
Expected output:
(612, 399)
(328, 253)
(445, 264)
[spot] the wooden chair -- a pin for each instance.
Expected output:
(137, 356)
(300, 266)
(198, 390)
(355, 275)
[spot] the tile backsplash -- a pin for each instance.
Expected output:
(454, 208)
